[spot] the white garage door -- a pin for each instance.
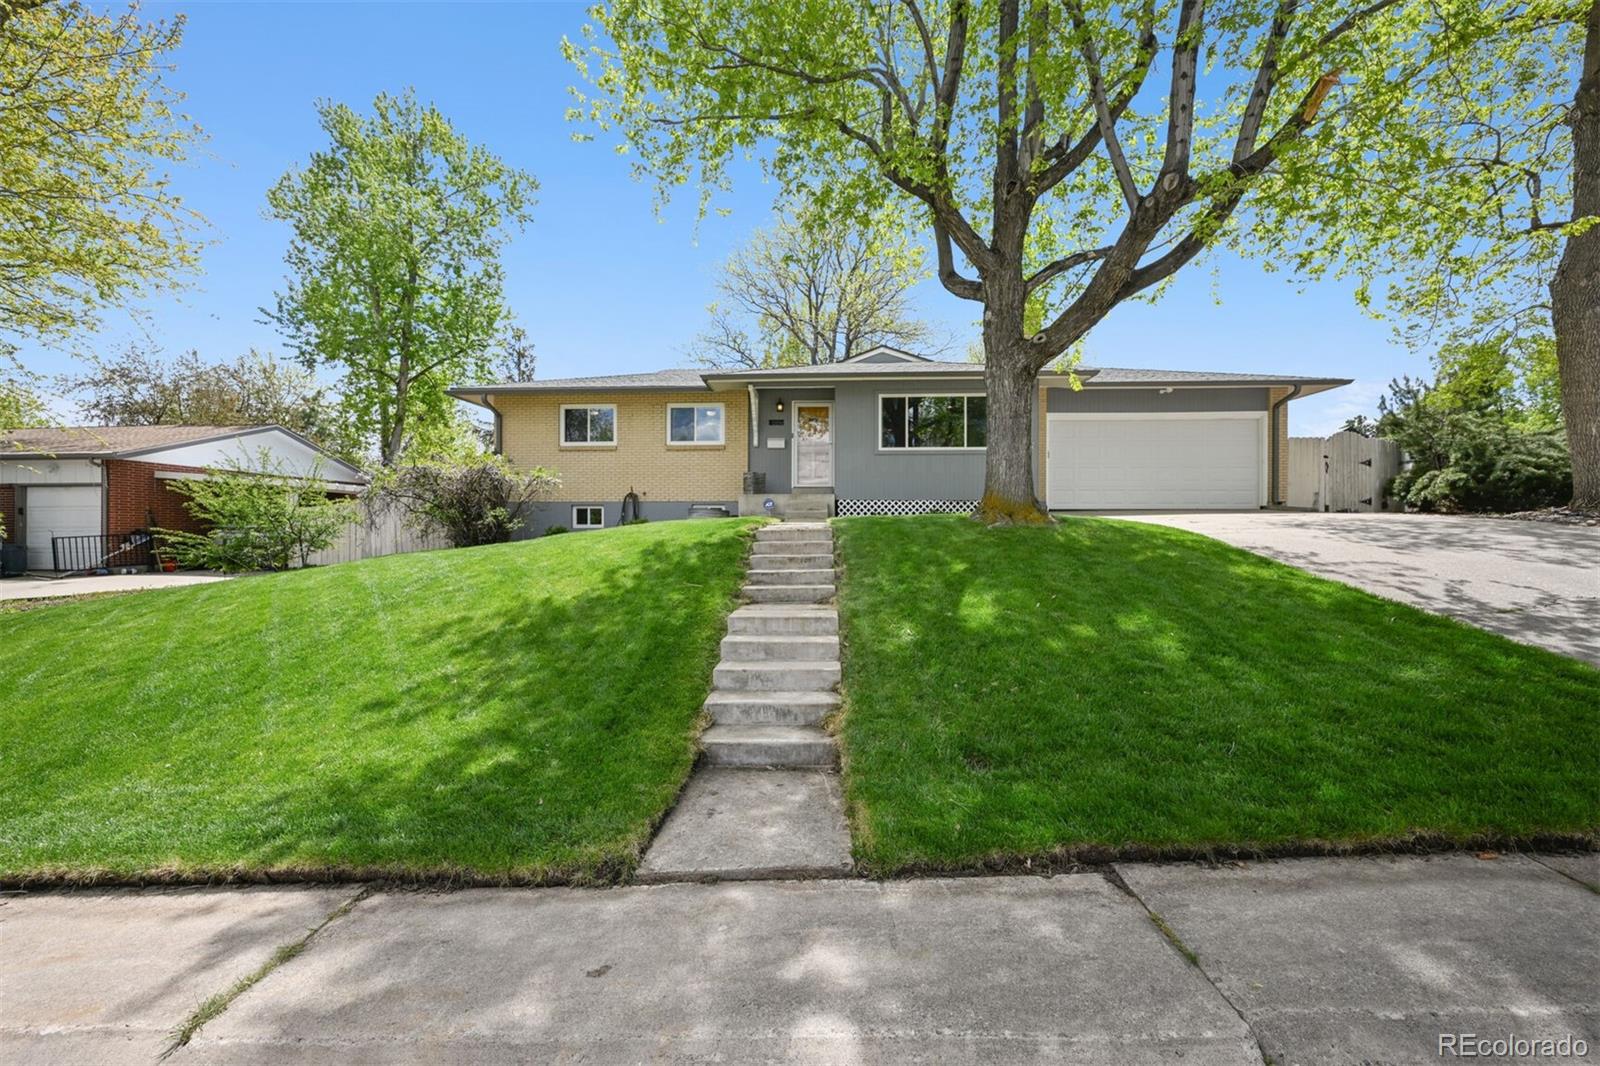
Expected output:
(1135, 463)
(58, 511)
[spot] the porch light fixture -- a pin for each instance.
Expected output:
(779, 407)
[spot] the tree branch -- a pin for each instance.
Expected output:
(1050, 271)
(1180, 100)
(1102, 107)
(964, 287)
(1266, 80)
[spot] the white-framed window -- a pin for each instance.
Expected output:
(594, 426)
(696, 423)
(586, 517)
(956, 421)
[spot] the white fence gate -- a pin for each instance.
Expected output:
(1344, 472)
(376, 533)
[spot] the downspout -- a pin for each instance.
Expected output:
(755, 417)
(1273, 498)
(498, 444)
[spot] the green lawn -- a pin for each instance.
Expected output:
(1051, 692)
(522, 712)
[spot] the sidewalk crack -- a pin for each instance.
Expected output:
(214, 1007)
(1170, 935)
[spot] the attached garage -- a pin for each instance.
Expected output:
(1144, 460)
(59, 511)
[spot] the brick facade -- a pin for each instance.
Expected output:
(8, 513)
(137, 499)
(1279, 490)
(641, 460)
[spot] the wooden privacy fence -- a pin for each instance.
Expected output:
(1344, 472)
(376, 531)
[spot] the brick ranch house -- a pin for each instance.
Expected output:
(890, 432)
(113, 481)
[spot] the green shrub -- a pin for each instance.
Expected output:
(551, 531)
(1472, 453)
(482, 501)
(1489, 466)
(256, 517)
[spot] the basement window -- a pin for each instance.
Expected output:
(588, 517)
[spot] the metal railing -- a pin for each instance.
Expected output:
(100, 552)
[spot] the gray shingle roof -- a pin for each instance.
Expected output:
(660, 379)
(107, 440)
(921, 368)
(1113, 375)
(692, 379)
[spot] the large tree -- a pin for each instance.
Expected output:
(1061, 150)
(1483, 232)
(807, 291)
(395, 273)
(88, 131)
(141, 388)
(1575, 289)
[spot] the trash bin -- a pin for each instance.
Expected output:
(13, 560)
(754, 483)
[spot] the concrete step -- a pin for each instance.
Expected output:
(818, 576)
(770, 708)
(738, 823)
(749, 648)
(768, 745)
(794, 531)
(789, 593)
(815, 546)
(775, 619)
(776, 675)
(817, 561)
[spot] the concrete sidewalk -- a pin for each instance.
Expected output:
(1309, 961)
(33, 587)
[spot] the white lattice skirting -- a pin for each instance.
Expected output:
(854, 508)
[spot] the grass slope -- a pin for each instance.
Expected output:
(1037, 692)
(520, 712)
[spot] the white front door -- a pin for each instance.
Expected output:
(58, 511)
(813, 445)
(1128, 462)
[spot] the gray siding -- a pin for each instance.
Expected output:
(863, 471)
(1091, 400)
(775, 462)
(559, 513)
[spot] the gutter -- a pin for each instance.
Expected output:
(1273, 498)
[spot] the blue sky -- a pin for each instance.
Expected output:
(600, 282)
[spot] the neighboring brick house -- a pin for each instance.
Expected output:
(890, 432)
(112, 481)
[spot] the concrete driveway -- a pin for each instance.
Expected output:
(1534, 582)
(1304, 962)
(41, 588)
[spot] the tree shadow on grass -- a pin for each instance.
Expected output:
(1097, 683)
(525, 728)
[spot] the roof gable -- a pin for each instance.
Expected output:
(885, 354)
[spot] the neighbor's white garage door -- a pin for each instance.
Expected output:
(1133, 462)
(58, 511)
